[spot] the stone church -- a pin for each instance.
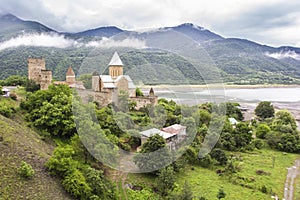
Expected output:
(107, 87)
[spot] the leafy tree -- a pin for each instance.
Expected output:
(106, 118)
(165, 180)
(290, 143)
(173, 112)
(92, 135)
(51, 110)
(232, 110)
(219, 155)
(153, 143)
(264, 110)
(262, 130)
(139, 92)
(26, 170)
(204, 117)
(284, 122)
(242, 135)
(159, 158)
(99, 184)
(15, 80)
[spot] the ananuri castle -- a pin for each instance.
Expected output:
(105, 88)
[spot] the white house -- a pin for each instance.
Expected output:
(172, 134)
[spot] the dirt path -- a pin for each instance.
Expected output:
(291, 176)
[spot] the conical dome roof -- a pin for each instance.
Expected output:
(70, 72)
(115, 60)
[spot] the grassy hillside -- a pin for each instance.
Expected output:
(246, 184)
(18, 143)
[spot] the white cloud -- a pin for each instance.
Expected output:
(283, 55)
(43, 40)
(59, 41)
(108, 43)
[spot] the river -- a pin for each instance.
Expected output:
(281, 97)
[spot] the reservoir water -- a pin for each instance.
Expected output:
(194, 95)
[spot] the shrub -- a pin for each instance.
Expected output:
(26, 170)
(76, 185)
(219, 155)
(139, 92)
(264, 189)
(259, 144)
(6, 110)
(262, 130)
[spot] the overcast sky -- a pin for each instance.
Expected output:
(272, 22)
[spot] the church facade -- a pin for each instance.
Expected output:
(107, 87)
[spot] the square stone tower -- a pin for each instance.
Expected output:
(37, 72)
(46, 79)
(35, 67)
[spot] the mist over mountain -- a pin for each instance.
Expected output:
(187, 49)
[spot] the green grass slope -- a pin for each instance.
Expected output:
(18, 143)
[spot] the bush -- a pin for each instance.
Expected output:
(262, 130)
(264, 189)
(76, 185)
(139, 92)
(219, 155)
(258, 144)
(6, 110)
(26, 170)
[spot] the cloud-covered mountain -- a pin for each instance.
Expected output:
(100, 32)
(12, 26)
(184, 47)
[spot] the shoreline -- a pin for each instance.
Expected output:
(221, 86)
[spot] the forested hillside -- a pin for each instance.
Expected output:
(203, 55)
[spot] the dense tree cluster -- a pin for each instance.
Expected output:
(117, 127)
(264, 110)
(51, 110)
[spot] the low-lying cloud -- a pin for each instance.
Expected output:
(60, 41)
(108, 43)
(283, 55)
(41, 40)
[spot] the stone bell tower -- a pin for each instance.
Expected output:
(70, 76)
(115, 66)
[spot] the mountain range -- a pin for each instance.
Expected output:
(183, 54)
